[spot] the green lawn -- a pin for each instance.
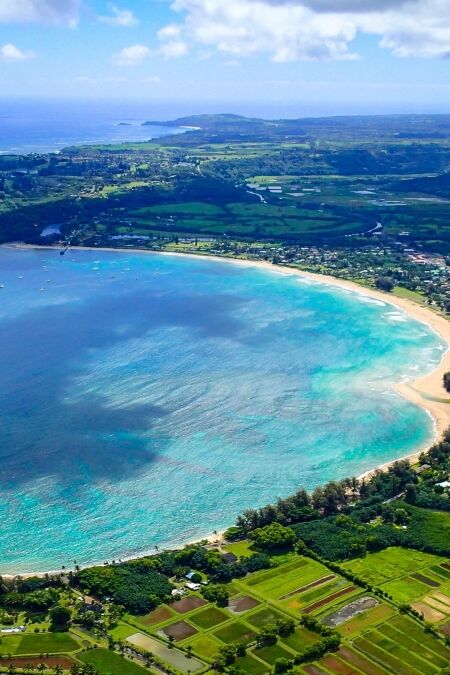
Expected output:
(250, 665)
(392, 563)
(37, 643)
(208, 618)
(122, 631)
(263, 616)
(300, 639)
(406, 589)
(235, 632)
(205, 647)
(240, 548)
(272, 653)
(109, 663)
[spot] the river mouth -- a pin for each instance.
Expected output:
(147, 400)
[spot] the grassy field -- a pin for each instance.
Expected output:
(419, 579)
(110, 663)
(38, 643)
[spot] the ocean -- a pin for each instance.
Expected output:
(28, 126)
(146, 400)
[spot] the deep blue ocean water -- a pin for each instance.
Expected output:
(148, 399)
(31, 126)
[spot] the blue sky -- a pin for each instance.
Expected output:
(245, 55)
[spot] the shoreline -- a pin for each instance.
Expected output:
(426, 391)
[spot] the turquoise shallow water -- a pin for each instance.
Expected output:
(149, 399)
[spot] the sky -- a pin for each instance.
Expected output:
(285, 56)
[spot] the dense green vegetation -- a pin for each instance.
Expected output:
(138, 586)
(299, 181)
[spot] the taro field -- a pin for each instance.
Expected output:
(376, 637)
(419, 579)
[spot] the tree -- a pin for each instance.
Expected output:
(233, 533)
(226, 656)
(410, 493)
(282, 666)
(241, 649)
(273, 537)
(216, 593)
(59, 618)
(384, 284)
(285, 627)
(401, 516)
(447, 380)
(268, 635)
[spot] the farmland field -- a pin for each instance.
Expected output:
(38, 643)
(174, 657)
(419, 579)
(109, 663)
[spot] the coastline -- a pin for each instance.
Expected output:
(427, 391)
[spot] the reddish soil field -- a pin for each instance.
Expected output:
(314, 670)
(313, 584)
(446, 629)
(425, 580)
(50, 661)
(188, 604)
(360, 662)
(157, 616)
(179, 630)
(243, 604)
(428, 612)
(337, 666)
(329, 598)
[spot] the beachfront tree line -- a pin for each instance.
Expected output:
(326, 500)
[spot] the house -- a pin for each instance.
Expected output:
(230, 558)
(189, 575)
(421, 468)
(445, 484)
(193, 587)
(177, 593)
(91, 605)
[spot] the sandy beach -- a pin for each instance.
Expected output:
(427, 391)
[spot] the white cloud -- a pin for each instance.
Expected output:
(174, 46)
(170, 32)
(12, 54)
(338, 6)
(132, 56)
(123, 18)
(290, 30)
(64, 12)
(173, 49)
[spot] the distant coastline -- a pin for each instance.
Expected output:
(426, 391)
